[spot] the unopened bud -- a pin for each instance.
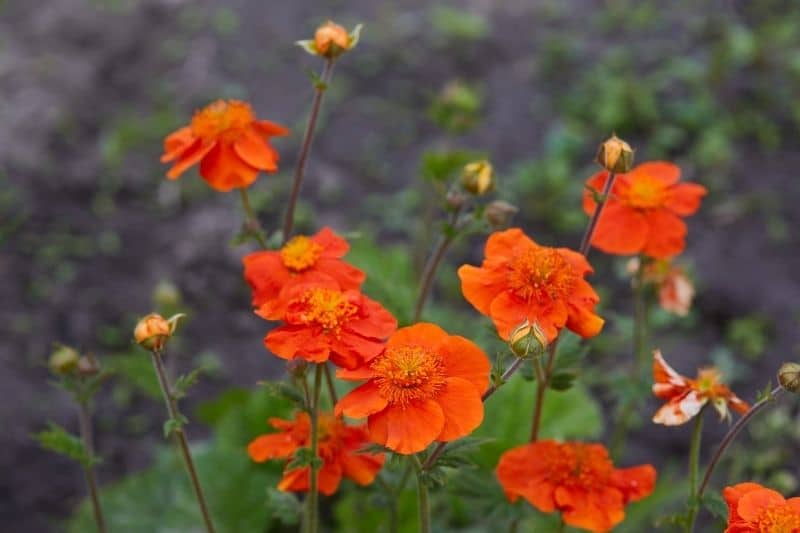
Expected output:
(528, 340)
(331, 40)
(153, 331)
(789, 377)
(455, 200)
(478, 177)
(88, 366)
(615, 155)
(64, 360)
(499, 214)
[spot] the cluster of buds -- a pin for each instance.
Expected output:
(528, 340)
(615, 155)
(153, 331)
(66, 361)
(331, 40)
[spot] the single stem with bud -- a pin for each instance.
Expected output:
(320, 87)
(732, 433)
(177, 421)
(312, 502)
(85, 423)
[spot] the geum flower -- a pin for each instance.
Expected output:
(340, 448)
(231, 145)
(675, 289)
(520, 281)
(323, 322)
(577, 479)
(643, 212)
(425, 386)
(753, 508)
(685, 397)
(301, 260)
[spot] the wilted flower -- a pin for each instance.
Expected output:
(789, 377)
(499, 214)
(685, 397)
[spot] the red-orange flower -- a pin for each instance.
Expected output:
(521, 281)
(643, 211)
(339, 449)
(323, 322)
(675, 289)
(753, 508)
(231, 145)
(577, 479)
(301, 260)
(685, 397)
(426, 386)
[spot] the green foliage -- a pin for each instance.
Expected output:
(57, 439)
(458, 25)
(749, 335)
(457, 108)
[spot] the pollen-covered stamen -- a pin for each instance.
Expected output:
(645, 193)
(779, 519)
(407, 373)
(327, 308)
(541, 274)
(578, 466)
(222, 119)
(300, 253)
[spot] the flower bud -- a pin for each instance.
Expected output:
(528, 340)
(478, 177)
(499, 213)
(88, 366)
(455, 200)
(153, 330)
(331, 40)
(789, 377)
(64, 360)
(615, 155)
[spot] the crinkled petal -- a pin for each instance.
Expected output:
(462, 407)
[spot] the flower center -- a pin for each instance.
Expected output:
(406, 373)
(779, 519)
(328, 308)
(578, 466)
(300, 253)
(645, 193)
(541, 274)
(223, 119)
(708, 380)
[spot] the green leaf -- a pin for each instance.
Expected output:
(284, 506)
(174, 424)
(57, 439)
(185, 382)
(714, 503)
(304, 458)
(563, 380)
(308, 46)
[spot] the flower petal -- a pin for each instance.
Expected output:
(224, 170)
(665, 172)
(272, 446)
(684, 198)
(422, 334)
(462, 407)
(666, 236)
(362, 401)
(255, 151)
(464, 359)
(412, 427)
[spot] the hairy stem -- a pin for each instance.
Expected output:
(305, 148)
(586, 241)
(85, 422)
(422, 498)
(732, 433)
(312, 511)
(180, 436)
(252, 224)
(694, 470)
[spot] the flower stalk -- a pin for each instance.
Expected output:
(320, 87)
(422, 497)
(694, 470)
(176, 421)
(85, 423)
(252, 225)
(312, 509)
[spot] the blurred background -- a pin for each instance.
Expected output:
(92, 235)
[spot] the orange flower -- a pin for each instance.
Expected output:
(756, 509)
(339, 446)
(230, 144)
(323, 322)
(685, 397)
(579, 480)
(675, 289)
(643, 211)
(521, 281)
(301, 260)
(426, 386)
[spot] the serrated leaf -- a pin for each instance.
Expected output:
(303, 458)
(174, 424)
(563, 380)
(57, 439)
(185, 382)
(284, 506)
(714, 503)
(287, 391)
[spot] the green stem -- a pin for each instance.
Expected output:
(305, 149)
(541, 388)
(252, 224)
(180, 436)
(694, 470)
(331, 387)
(733, 432)
(312, 511)
(422, 498)
(85, 422)
(393, 496)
